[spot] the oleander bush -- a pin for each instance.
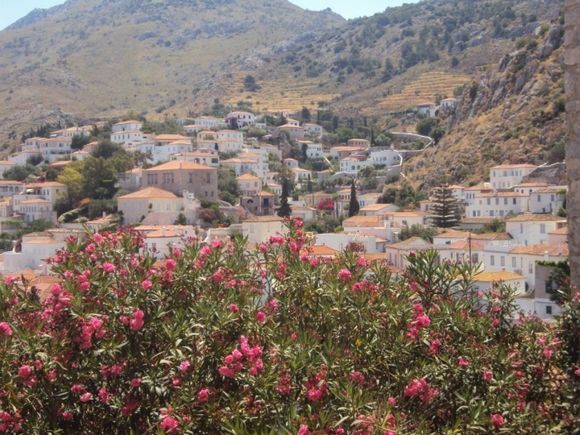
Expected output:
(221, 339)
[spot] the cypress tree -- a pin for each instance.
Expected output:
(445, 208)
(354, 206)
(284, 210)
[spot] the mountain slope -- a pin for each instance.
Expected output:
(102, 57)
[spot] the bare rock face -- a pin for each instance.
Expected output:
(572, 79)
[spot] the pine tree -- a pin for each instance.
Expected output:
(445, 208)
(284, 210)
(309, 185)
(354, 206)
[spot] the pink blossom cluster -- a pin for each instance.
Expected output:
(420, 321)
(419, 387)
(243, 355)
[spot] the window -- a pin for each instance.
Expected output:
(492, 260)
(539, 198)
(542, 228)
(515, 201)
(548, 309)
(531, 268)
(502, 261)
(514, 262)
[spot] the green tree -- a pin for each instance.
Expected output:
(72, 177)
(353, 206)
(250, 84)
(19, 173)
(426, 126)
(99, 178)
(228, 186)
(180, 220)
(426, 233)
(306, 116)
(284, 210)
(445, 208)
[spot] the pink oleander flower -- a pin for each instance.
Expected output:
(423, 320)
(462, 362)
(497, 420)
(434, 346)
(86, 397)
(344, 274)
(487, 375)
(392, 401)
(170, 425)
(233, 308)
(203, 395)
(184, 366)
(135, 382)
(170, 264)
(357, 377)
(25, 372)
(137, 322)
(5, 329)
(109, 267)
(547, 352)
(103, 395)
(303, 430)
(261, 317)
(146, 284)
(577, 372)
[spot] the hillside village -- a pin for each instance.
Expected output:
(213, 178)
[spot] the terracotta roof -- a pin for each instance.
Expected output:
(265, 193)
(247, 177)
(411, 244)
(555, 250)
(463, 245)
(176, 165)
(363, 221)
(491, 236)
(149, 193)
(171, 138)
(500, 276)
(531, 185)
(502, 194)
(453, 234)
(320, 250)
(531, 217)
(374, 207)
(264, 219)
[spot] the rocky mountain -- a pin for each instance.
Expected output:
(105, 57)
(513, 112)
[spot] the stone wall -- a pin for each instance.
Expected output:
(572, 79)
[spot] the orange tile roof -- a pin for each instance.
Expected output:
(363, 221)
(149, 193)
(464, 245)
(408, 244)
(176, 165)
(319, 250)
(247, 176)
(555, 250)
(532, 217)
(500, 276)
(374, 207)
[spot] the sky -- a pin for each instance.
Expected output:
(12, 10)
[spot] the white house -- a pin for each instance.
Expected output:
(427, 109)
(548, 199)
(397, 253)
(313, 150)
(205, 123)
(291, 163)
(225, 141)
(508, 176)
(49, 190)
(34, 209)
(497, 204)
(131, 125)
(533, 229)
(249, 184)
(240, 119)
(259, 229)
(202, 157)
(377, 209)
(159, 240)
(9, 188)
(313, 130)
